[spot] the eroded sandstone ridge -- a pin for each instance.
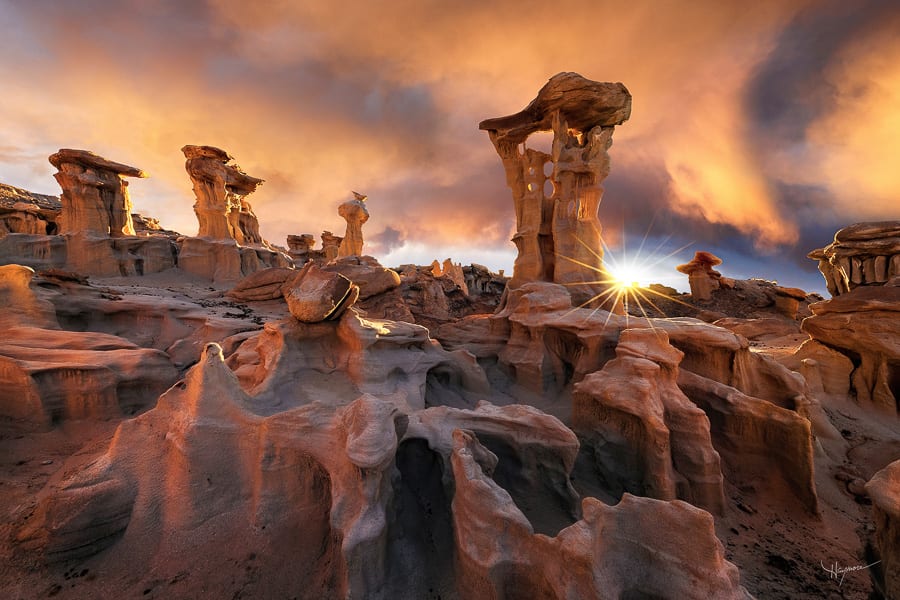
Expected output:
(94, 197)
(557, 230)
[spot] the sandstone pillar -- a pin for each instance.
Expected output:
(220, 187)
(557, 227)
(94, 197)
(355, 213)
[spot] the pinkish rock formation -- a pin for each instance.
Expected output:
(331, 245)
(314, 295)
(49, 375)
(863, 254)
(864, 324)
(300, 248)
(558, 232)
(22, 211)
(367, 273)
(651, 439)
(702, 278)
(94, 197)
(596, 557)
(220, 187)
(356, 214)
(884, 490)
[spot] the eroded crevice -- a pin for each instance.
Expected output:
(537, 484)
(420, 554)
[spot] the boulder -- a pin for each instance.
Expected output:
(314, 295)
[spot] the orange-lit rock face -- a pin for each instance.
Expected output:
(557, 230)
(861, 254)
(220, 187)
(94, 196)
(355, 213)
(702, 278)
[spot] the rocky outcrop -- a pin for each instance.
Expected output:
(22, 211)
(649, 438)
(702, 278)
(95, 199)
(367, 273)
(596, 557)
(228, 245)
(884, 491)
(331, 245)
(220, 187)
(300, 248)
(314, 295)
(48, 375)
(863, 254)
(547, 347)
(864, 324)
(356, 214)
(365, 511)
(557, 230)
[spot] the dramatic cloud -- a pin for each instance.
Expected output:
(757, 129)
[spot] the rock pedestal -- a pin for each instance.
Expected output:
(355, 213)
(702, 278)
(94, 194)
(220, 188)
(557, 228)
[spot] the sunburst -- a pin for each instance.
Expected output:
(625, 279)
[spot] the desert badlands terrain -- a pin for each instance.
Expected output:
(219, 416)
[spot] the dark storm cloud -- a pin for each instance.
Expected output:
(386, 240)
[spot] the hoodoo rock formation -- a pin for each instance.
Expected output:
(862, 320)
(228, 244)
(239, 427)
(220, 188)
(356, 214)
(861, 255)
(702, 278)
(95, 199)
(558, 231)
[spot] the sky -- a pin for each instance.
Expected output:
(758, 128)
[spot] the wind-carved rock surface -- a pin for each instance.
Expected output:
(95, 198)
(220, 188)
(228, 244)
(356, 214)
(702, 278)
(862, 320)
(884, 490)
(651, 439)
(863, 254)
(48, 375)
(22, 211)
(558, 233)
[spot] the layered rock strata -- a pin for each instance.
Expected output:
(95, 199)
(48, 375)
(863, 254)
